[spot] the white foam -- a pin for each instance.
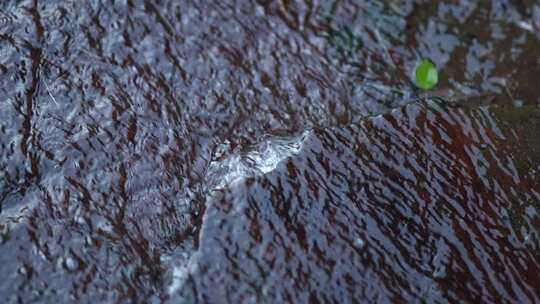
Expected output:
(182, 263)
(262, 159)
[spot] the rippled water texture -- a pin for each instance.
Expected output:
(268, 152)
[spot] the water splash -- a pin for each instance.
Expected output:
(262, 159)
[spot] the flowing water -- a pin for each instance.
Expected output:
(268, 152)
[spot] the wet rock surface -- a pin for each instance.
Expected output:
(246, 152)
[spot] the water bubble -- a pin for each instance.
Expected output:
(70, 264)
(360, 243)
(518, 103)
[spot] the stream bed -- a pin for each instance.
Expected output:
(269, 152)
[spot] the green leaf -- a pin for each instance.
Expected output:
(426, 74)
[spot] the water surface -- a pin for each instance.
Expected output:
(258, 151)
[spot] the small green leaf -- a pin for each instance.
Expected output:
(426, 75)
